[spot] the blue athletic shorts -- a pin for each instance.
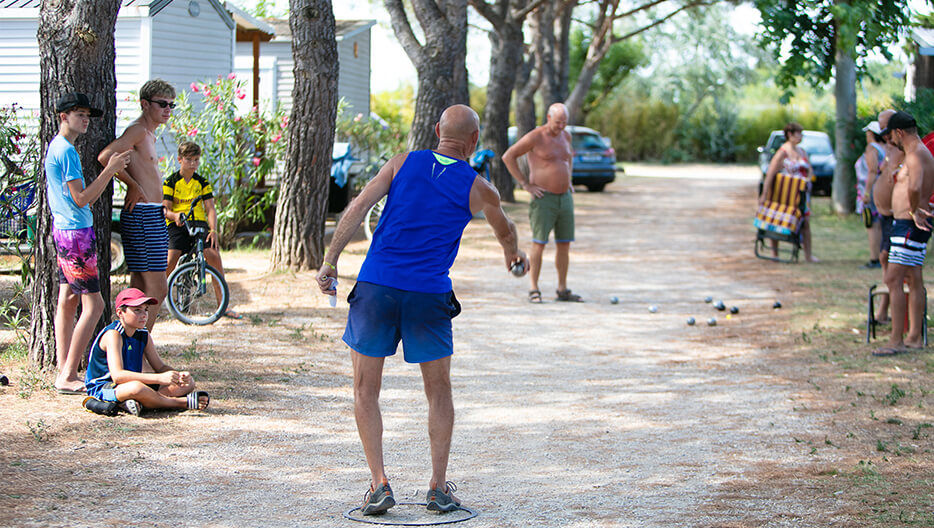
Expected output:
(380, 317)
(145, 238)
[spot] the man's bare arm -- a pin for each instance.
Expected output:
(485, 197)
(131, 137)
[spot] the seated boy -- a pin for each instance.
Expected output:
(178, 191)
(116, 360)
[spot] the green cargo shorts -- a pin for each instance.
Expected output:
(552, 211)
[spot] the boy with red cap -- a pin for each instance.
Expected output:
(115, 365)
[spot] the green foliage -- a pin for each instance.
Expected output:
(621, 59)
(397, 107)
(238, 151)
(19, 157)
(922, 109)
(373, 138)
(805, 36)
(640, 127)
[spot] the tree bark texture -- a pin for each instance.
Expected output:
(76, 54)
(298, 233)
(506, 40)
(528, 80)
(844, 177)
(439, 61)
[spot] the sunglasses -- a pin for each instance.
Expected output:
(161, 103)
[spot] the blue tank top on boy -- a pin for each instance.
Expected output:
(419, 231)
(98, 373)
(63, 165)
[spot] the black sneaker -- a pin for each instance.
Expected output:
(443, 499)
(377, 502)
(872, 264)
(94, 405)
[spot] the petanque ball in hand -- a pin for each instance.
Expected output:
(614, 300)
(712, 321)
(734, 310)
(691, 321)
(517, 269)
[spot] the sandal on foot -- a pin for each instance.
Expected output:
(131, 406)
(535, 296)
(379, 501)
(232, 314)
(567, 296)
(193, 398)
(442, 500)
(887, 351)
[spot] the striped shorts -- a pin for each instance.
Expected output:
(909, 244)
(145, 238)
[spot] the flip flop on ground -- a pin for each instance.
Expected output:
(71, 392)
(888, 351)
(232, 314)
(535, 296)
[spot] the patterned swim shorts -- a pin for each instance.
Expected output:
(76, 251)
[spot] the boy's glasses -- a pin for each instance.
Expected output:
(161, 103)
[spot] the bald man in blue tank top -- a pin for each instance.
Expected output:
(403, 290)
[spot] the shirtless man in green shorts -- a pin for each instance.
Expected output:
(552, 206)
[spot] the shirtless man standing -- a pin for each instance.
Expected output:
(552, 206)
(882, 198)
(142, 221)
(911, 231)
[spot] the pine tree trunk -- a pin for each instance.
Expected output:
(528, 81)
(76, 54)
(439, 62)
(298, 234)
(844, 177)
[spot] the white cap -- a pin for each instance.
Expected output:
(873, 127)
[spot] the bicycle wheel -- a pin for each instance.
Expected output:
(193, 300)
(372, 218)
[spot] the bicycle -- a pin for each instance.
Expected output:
(480, 162)
(198, 293)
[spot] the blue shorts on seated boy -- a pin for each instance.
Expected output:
(115, 365)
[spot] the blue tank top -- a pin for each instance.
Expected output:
(98, 373)
(420, 229)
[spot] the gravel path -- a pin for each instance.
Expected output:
(568, 415)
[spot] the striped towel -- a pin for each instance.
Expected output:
(781, 211)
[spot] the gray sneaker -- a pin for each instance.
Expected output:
(377, 502)
(443, 499)
(131, 406)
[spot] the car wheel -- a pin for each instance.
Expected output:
(596, 187)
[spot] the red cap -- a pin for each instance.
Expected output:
(133, 297)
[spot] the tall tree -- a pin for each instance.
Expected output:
(506, 39)
(620, 61)
(76, 54)
(602, 38)
(298, 234)
(439, 61)
(820, 39)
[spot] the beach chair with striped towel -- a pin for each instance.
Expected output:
(780, 217)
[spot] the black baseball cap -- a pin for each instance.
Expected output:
(76, 100)
(900, 121)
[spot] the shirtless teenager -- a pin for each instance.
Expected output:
(145, 238)
(882, 198)
(911, 231)
(552, 206)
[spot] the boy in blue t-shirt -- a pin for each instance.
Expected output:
(73, 234)
(115, 364)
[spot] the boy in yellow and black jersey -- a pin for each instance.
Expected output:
(178, 191)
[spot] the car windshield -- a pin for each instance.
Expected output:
(587, 141)
(819, 145)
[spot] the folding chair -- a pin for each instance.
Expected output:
(871, 321)
(780, 217)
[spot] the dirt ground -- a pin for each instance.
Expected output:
(568, 415)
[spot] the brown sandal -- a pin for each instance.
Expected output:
(535, 296)
(567, 296)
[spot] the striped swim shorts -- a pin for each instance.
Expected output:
(909, 244)
(145, 238)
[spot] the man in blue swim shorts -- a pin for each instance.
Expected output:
(403, 291)
(911, 231)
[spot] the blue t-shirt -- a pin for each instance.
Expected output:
(63, 165)
(98, 373)
(420, 229)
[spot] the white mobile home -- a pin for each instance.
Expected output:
(177, 40)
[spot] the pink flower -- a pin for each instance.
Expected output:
(256, 162)
(217, 98)
(220, 106)
(231, 75)
(194, 87)
(241, 95)
(237, 119)
(218, 83)
(277, 138)
(161, 159)
(193, 132)
(357, 118)
(207, 92)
